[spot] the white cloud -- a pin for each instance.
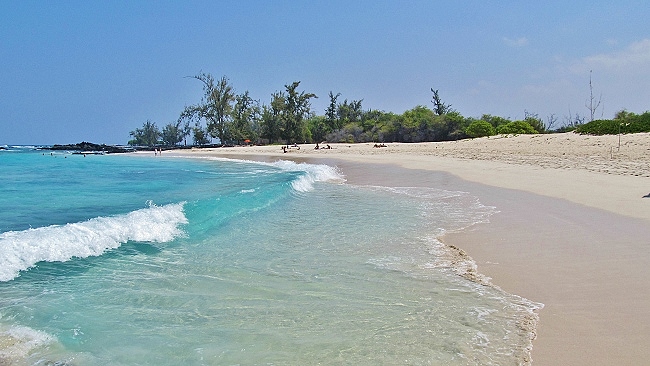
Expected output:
(635, 55)
(519, 42)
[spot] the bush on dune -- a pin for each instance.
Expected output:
(480, 128)
(624, 122)
(516, 128)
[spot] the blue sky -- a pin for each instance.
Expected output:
(84, 70)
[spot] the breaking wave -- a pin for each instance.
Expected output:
(21, 250)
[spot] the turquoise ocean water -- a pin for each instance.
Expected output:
(143, 260)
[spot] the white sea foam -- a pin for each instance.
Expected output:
(31, 147)
(20, 250)
(312, 173)
(17, 342)
(305, 183)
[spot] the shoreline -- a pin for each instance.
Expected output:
(570, 233)
(589, 170)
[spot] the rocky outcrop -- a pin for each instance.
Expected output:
(89, 147)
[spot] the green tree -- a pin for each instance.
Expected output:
(415, 124)
(215, 106)
(318, 128)
(534, 120)
(245, 117)
(452, 127)
(272, 117)
(439, 107)
(172, 134)
(370, 118)
(186, 131)
(624, 116)
(199, 135)
(331, 117)
(495, 121)
(148, 135)
(297, 106)
(480, 128)
(349, 112)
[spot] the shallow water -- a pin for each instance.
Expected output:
(122, 260)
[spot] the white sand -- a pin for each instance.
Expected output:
(573, 232)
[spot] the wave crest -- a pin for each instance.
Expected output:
(305, 182)
(21, 250)
(312, 173)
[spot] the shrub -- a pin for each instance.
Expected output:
(515, 128)
(599, 127)
(495, 121)
(536, 122)
(626, 123)
(480, 128)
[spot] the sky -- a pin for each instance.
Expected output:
(73, 71)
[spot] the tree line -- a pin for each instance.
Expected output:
(234, 119)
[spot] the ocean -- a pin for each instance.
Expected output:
(135, 259)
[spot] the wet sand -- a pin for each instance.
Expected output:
(572, 232)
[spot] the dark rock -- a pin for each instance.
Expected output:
(88, 147)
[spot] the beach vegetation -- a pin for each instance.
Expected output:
(297, 107)
(349, 112)
(246, 119)
(331, 113)
(318, 128)
(454, 126)
(148, 135)
(624, 122)
(200, 135)
(570, 123)
(440, 108)
(480, 128)
(215, 107)
(271, 123)
(173, 133)
(551, 121)
(534, 120)
(288, 118)
(495, 121)
(516, 128)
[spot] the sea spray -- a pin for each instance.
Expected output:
(59, 243)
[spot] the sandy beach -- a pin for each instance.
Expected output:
(572, 230)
